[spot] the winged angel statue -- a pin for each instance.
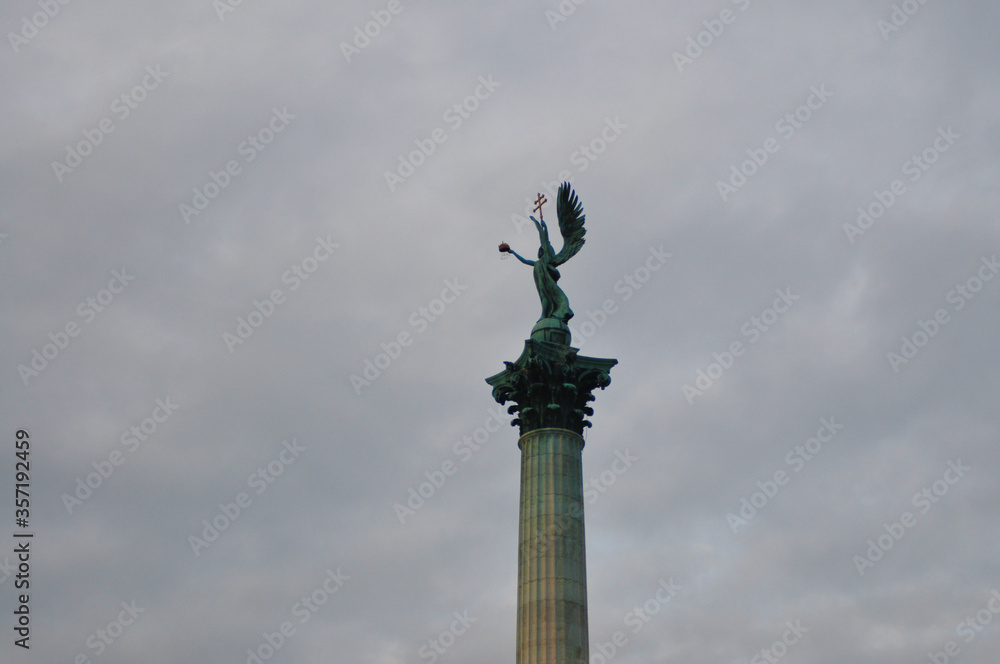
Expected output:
(555, 304)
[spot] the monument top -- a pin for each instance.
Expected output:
(550, 383)
(552, 325)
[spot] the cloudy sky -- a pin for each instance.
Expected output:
(251, 292)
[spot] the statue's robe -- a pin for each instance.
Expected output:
(555, 304)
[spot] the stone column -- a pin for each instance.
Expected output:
(552, 567)
(551, 385)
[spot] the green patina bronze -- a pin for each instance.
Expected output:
(550, 383)
(551, 386)
(555, 305)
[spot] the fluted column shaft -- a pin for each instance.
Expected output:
(552, 568)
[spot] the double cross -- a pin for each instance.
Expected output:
(539, 202)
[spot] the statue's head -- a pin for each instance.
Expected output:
(541, 251)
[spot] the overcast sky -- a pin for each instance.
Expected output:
(249, 273)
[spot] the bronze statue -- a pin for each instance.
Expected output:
(555, 304)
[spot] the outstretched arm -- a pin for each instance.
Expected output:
(520, 257)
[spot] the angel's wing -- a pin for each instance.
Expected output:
(570, 213)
